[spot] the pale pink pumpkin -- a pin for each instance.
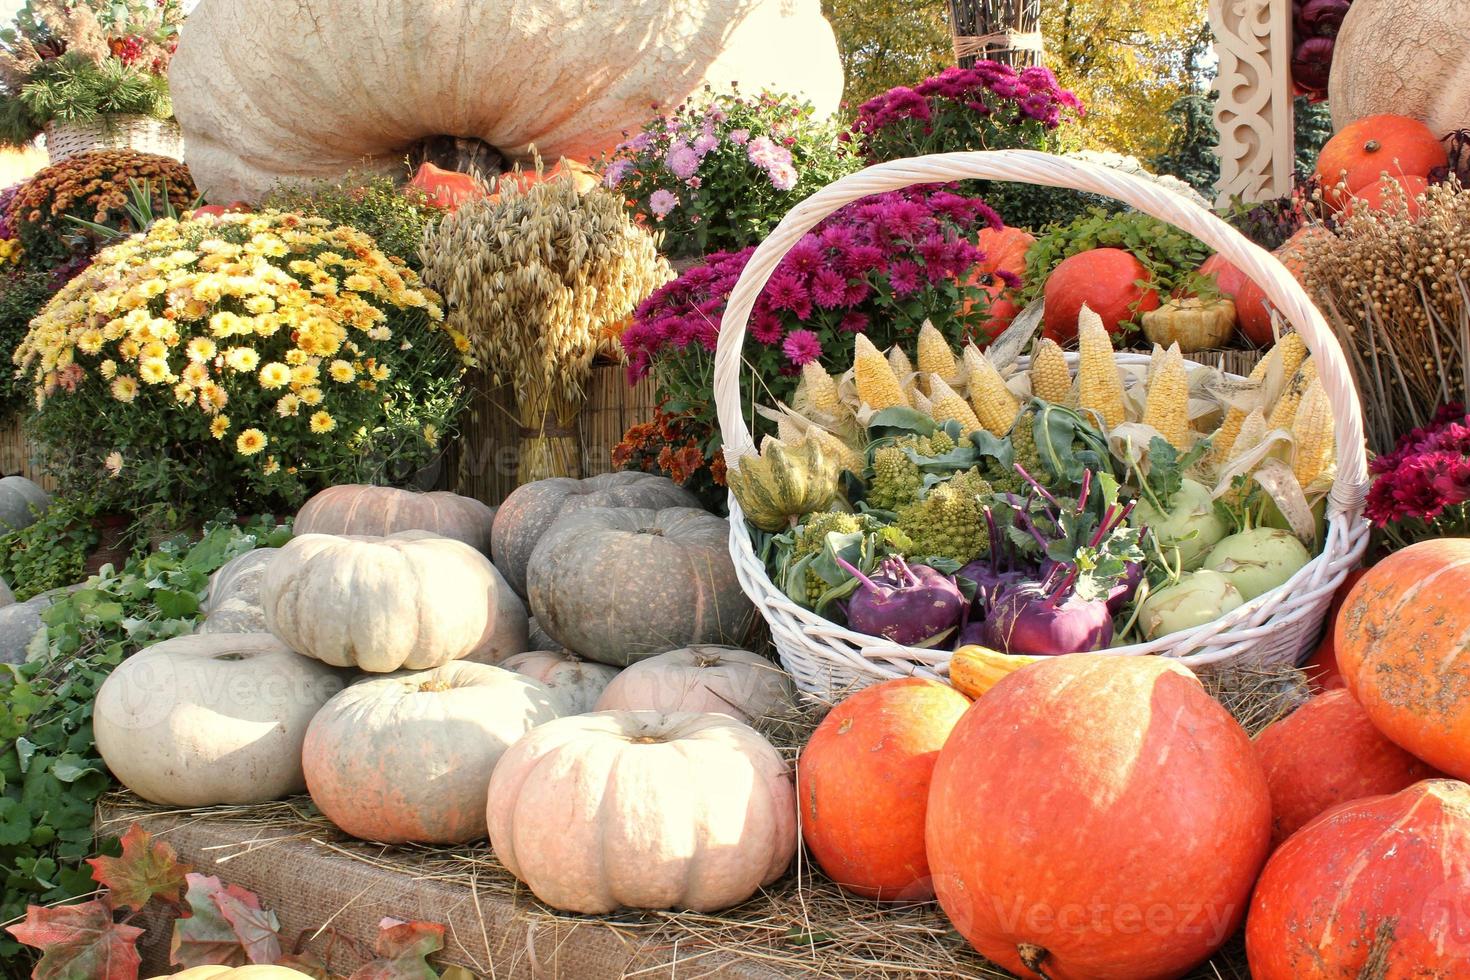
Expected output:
(728, 680)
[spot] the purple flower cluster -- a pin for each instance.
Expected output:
(974, 104)
(7, 228)
(850, 269)
(1427, 473)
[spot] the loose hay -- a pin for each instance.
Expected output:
(802, 926)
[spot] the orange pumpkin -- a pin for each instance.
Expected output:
(1097, 816)
(1390, 194)
(1362, 152)
(1005, 250)
(1325, 753)
(234, 207)
(446, 189)
(863, 786)
(1386, 878)
(1107, 280)
(1403, 645)
(1322, 671)
(1252, 314)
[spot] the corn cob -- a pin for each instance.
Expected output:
(877, 386)
(1284, 412)
(1314, 441)
(847, 457)
(995, 407)
(922, 402)
(1166, 407)
(788, 431)
(935, 356)
(1225, 436)
(949, 406)
(1293, 352)
(899, 361)
(1100, 386)
(1051, 381)
(1252, 431)
(821, 391)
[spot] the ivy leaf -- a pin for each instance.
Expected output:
(145, 871)
(80, 942)
(210, 936)
(403, 949)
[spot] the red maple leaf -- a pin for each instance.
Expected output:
(80, 942)
(227, 927)
(403, 949)
(144, 872)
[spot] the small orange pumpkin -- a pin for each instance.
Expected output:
(446, 189)
(1390, 194)
(1005, 250)
(1109, 281)
(1361, 152)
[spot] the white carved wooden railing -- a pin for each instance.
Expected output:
(1254, 111)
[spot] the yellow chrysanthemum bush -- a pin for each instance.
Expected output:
(239, 361)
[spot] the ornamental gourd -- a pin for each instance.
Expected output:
(784, 482)
(1194, 324)
(622, 584)
(206, 720)
(1403, 646)
(1325, 753)
(654, 811)
(382, 604)
(1090, 782)
(863, 786)
(1412, 59)
(575, 682)
(1375, 888)
(532, 508)
(267, 91)
(408, 757)
(727, 680)
(380, 511)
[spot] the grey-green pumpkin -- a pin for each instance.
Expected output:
(531, 509)
(618, 585)
(20, 503)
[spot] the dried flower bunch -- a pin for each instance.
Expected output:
(1395, 289)
(238, 361)
(91, 186)
(535, 280)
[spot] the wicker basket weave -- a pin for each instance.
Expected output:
(1278, 627)
(117, 132)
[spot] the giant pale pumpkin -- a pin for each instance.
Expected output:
(232, 604)
(1412, 59)
(1325, 753)
(1403, 646)
(863, 786)
(1095, 816)
(1109, 281)
(267, 91)
(620, 584)
(1378, 888)
(643, 810)
(408, 757)
(410, 601)
(727, 680)
(1358, 155)
(532, 508)
(209, 719)
(380, 511)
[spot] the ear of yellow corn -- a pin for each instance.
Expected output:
(995, 407)
(1314, 442)
(921, 402)
(935, 356)
(877, 386)
(1051, 381)
(1284, 411)
(1293, 352)
(1166, 406)
(900, 363)
(788, 431)
(1099, 385)
(948, 406)
(847, 457)
(821, 390)
(1224, 439)
(1252, 431)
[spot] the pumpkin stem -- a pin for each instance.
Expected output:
(434, 685)
(231, 656)
(657, 532)
(1372, 146)
(645, 740)
(466, 154)
(1034, 958)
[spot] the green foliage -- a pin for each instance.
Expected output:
(76, 89)
(395, 217)
(1190, 155)
(50, 772)
(22, 294)
(885, 43)
(1313, 130)
(145, 204)
(1172, 257)
(51, 553)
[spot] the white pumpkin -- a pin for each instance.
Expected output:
(211, 719)
(638, 809)
(1407, 59)
(577, 683)
(407, 601)
(379, 511)
(232, 604)
(727, 680)
(267, 91)
(408, 757)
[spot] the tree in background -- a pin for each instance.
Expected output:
(886, 43)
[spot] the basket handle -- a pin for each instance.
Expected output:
(1047, 170)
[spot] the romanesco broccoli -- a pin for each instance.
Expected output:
(950, 520)
(896, 478)
(1023, 448)
(811, 537)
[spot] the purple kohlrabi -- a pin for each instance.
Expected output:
(912, 605)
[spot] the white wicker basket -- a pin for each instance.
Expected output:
(1278, 627)
(116, 132)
